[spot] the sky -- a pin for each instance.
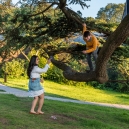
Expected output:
(95, 6)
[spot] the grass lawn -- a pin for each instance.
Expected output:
(86, 93)
(14, 114)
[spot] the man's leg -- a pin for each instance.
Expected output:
(95, 55)
(88, 56)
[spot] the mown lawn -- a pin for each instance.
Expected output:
(87, 93)
(14, 114)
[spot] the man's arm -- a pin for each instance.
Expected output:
(84, 28)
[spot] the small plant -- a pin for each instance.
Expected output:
(14, 68)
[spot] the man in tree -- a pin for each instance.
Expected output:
(126, 9)
(92, 45)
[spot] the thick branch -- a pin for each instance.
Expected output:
(71, 74)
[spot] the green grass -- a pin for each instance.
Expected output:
(86, 93)
(14, 114)
(14, 111)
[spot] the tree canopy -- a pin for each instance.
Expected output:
(40, 25)
(112, 13)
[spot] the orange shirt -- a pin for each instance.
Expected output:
(92, 44)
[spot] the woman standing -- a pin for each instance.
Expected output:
(35, 88)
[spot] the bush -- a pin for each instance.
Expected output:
(14, 68)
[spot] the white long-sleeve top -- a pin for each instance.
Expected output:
(36, 71)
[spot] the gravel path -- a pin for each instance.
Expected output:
(22, 93)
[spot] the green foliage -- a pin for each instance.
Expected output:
(113, 75)
(101, 26)
(24, 28)
(112, 13)
(120, 57)
(14, 68)
(127, 41)
(55, 75)
(80, 2)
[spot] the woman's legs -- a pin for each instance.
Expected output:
(34, 102)
(41, 101)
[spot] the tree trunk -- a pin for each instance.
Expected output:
(5, 77)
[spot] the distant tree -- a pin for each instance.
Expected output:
(111, 13)
(90, 19)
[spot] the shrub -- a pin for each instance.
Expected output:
(14, 68)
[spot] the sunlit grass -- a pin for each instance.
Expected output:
(14, 114)
(87, 93)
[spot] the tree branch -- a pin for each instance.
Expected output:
(43, 10)
(71, 74)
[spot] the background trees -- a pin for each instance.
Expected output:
(43, 25)
(112, 13)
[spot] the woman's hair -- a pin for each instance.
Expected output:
(32, 63)
(86, 33)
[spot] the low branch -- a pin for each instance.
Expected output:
(43, 10)
(24, 55)
(71, 74)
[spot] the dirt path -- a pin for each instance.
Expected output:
(22, 93)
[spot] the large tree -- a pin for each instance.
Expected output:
(32, 24)
(111, 13)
